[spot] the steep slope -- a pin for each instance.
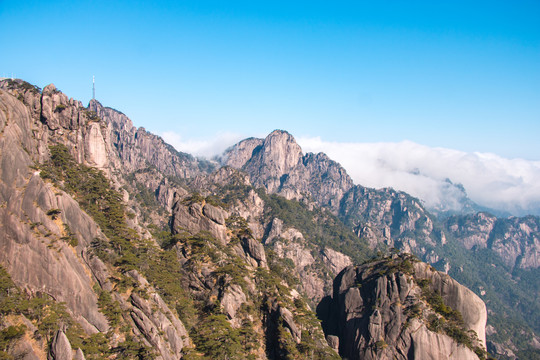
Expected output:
(92, 271)
(137, 149)
(398, 308)
(54, 213)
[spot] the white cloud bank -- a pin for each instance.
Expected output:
(511, 185)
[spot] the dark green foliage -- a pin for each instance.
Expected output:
(447, 320)
(165, 273)
(318, 226)
(53, 213)
(235, 191)
(286, 344)
(23, 85)
(91, 115)
(193, 198)
(94, 347)
(131, 349)
(514, 306)
(70, 237)
(110, 308)
(48, 314)
(8, 336)
(60, 108)
(215, 337)
(239, 226)
(232, 273)
(96, 196)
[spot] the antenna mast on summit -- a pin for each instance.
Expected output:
(93, 87)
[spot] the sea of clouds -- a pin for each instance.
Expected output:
(507, 185)
(428, 173)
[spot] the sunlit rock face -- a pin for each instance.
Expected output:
(379, 311)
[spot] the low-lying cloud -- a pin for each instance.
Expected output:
(511, 185)
(206, 148)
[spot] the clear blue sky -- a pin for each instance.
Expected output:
(456, 74)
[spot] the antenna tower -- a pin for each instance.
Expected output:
(94, 87)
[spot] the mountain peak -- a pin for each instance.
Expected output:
(280, 152)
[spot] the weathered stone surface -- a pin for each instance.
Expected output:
(136, 148)
(387, 216)
(30, 245)
(95, 147)
(273, 160)
(277, 231)
(255, 250)
(333, 342)
(192, 219)
(156, 322)
(60, 347)
(500, 350)
(231, 301)
(335, 260)
(288, 322)
(457, 297)
(79, 355)
(215, 214)
(237, 155)
(371, 313)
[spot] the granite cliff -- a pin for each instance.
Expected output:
(399, 308)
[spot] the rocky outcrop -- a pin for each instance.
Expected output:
(273, 160)
(197, 217)
(238, 155)
(456, 296)
(60, 347)
(378, 311)
(156, 322)
(233, 297)
(335, 260)
(277, 163)
(255, 251)
(394, 218)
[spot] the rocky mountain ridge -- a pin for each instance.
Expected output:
(237, 257)
(386, 217)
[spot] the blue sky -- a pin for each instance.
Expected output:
(460, 75)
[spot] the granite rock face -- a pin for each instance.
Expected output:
(277, 163)
(197, 217)
(30, 246)
(378, 311)
(46, 239)
(136, 148)
(60, 347)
